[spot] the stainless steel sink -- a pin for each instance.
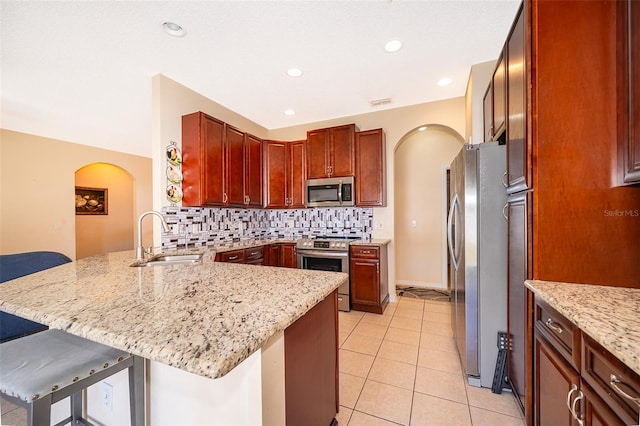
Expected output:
(170, 259)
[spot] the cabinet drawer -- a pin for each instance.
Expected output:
(559, 331)
(365, 252)
(233, 256)
(254, 253)
(598, 367)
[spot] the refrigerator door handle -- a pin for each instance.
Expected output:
(450, 236)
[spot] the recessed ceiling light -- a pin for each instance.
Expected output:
(173, 29)
(393, 46)
(294, 72)
(289, 112)
(422, 129)
(444, 81)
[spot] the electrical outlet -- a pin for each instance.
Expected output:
(107, 396)
(378, 224)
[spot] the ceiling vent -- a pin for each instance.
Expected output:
(379, 102)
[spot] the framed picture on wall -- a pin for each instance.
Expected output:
(91, 200)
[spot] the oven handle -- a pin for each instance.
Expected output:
(320, 253)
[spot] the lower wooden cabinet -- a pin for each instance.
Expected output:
(368, 277)
(575, 378)
(250, 256)
(280, 254)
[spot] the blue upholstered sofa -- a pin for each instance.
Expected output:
(14, 266)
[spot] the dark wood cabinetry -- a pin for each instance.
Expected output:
(249, 256)
(284, 174)
(330, 152)
(487, 115)
(628, 65)
(369, 168)
(573, 376)
(281, 254)
(311, 365)
(368, 277)
(499, 99)
(222, 166)
(203, 160)
(518, 144)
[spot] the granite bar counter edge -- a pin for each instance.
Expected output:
(205, 318)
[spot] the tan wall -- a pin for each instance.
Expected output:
(421, 161)
(96, 234)
(37, 181)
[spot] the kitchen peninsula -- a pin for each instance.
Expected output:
(215, 334)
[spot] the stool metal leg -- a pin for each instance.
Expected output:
(76, 407)
(136, 391)
(39, 412)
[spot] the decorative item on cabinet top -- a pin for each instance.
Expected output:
(174, 173)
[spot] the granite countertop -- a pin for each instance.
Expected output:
(610, 315)
(204, 318)
(372, 242)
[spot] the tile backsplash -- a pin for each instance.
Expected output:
(201, 226)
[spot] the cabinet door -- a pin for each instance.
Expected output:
(317, 153)
(365, 281)
(235, 167)
(296, 178)
(202, 160)
(518, 271)
(487, 114)
(288, 255)
(232, 256)
(272, 255)
(499, 98)
(342, 151)
(629, 89)
(253, 171)
(554, 379)
(275, 155)
(369, 172)
(518, 153)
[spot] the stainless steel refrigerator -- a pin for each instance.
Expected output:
(477, 237)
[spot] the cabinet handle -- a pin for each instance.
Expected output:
(254, 253)
(504, 180)
(573, 409)
(224, 197)
(232, 257)
(553, 325)
(365, 251)
(504, 212)
(571, 391)
(614, 382)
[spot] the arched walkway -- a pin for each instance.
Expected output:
(421, 161)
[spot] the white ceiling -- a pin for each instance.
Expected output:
(81, 71)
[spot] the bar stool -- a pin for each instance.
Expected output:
(46, 367)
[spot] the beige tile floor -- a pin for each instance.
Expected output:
(403, 367)
(399, 368)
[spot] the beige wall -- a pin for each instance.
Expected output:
(37, 181)
(421, 161)
(96, 234)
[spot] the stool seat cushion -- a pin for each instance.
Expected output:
(39, 364)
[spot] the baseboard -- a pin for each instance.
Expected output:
(421, 284)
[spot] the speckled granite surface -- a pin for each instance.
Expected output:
(371, 242)
(610, 315)
(204, 318)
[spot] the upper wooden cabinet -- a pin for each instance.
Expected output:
(222, 166)
(487, 114)
(330, 152)
(518, 145)
(629, 90)
(284, 177)
(369, 171)
(203, 160)
(499, 98)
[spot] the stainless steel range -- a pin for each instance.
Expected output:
(327, 253)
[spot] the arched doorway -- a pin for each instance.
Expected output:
(421, 161)
(109, 231)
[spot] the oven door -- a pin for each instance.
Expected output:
(332, 261)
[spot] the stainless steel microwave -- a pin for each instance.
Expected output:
(330, 192)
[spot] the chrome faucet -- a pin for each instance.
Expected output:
(140, 251)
